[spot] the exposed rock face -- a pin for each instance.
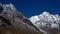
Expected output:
(14, 22)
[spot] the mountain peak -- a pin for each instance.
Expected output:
(46, 20)
(45, 17)
(45, 13)
(14, 22)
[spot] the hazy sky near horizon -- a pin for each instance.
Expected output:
(35, 7)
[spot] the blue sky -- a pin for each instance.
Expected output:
(34, 7)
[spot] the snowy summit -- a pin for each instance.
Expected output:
(46, 20)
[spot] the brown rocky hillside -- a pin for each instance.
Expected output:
(14, 22)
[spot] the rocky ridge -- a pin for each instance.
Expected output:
(14, 22)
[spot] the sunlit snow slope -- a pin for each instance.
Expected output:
(46, 20)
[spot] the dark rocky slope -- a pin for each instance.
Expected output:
(14, 22)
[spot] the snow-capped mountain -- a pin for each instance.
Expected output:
(46, 20)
